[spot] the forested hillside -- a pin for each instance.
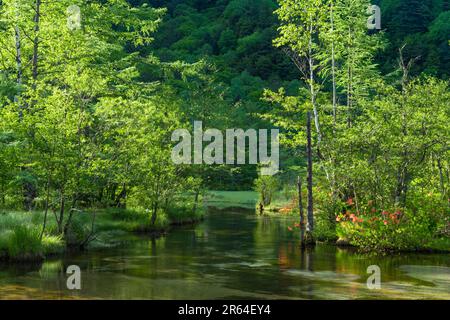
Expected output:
(236, 36)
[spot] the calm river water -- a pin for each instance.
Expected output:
(229, 255)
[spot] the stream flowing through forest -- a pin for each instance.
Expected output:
(231, 254)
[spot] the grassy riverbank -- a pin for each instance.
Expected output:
(21, 240)
(229, 199)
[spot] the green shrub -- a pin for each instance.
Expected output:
(162, 221)
(4, 242)
(25, 242)
(131, 220)
(325, 230)
(52, 244)
(393, 230)
(79, 229)
(266, 187)
(145, 225)
(11, 220)
(184, 213)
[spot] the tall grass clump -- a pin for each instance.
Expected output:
(52, 244)
(138, 220)
(143, 223)
(25, 243)
(20, 237)
(181, 214)
(4, 240)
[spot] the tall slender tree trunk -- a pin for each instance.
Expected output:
(310, 225)
(349, 80)
(334, 88)
(333, 67)
(349, 97)
(18, 66)
(441, 178)
(18, 54)
(302, 213)
(312, 85)
(61, 210)
(36, 41)
(29, 190)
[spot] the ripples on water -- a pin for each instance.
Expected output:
(229, 255)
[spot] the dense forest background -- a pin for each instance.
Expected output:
(236, 38)
(228, 44)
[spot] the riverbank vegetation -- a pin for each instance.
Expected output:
(79, 127)
(381, 144)
(22, 237)
(89, 99)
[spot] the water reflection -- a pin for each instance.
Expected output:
(230, 255)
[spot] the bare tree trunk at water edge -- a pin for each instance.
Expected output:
(310, 226)
(302, 213)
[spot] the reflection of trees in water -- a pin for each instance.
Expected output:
(284, 256)
(307, 259)
(12, 269)
(265, 223)
(252, 255)
(292, 256)
(307, 263)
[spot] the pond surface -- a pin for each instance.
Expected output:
(229, 255)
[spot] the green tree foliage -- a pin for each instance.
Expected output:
(232, 42)
(386, 140)
(84, 129)
(266, 186)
